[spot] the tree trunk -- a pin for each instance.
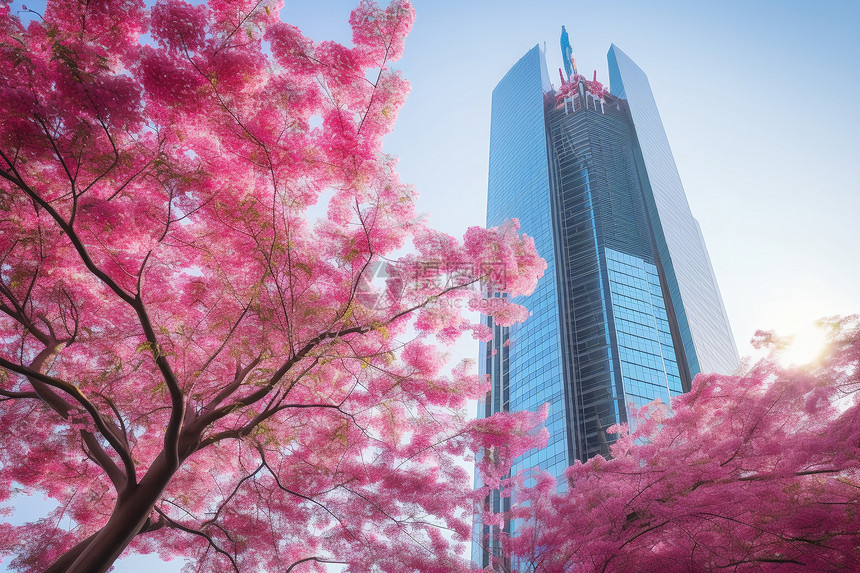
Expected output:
(67, 558)
(97, 553)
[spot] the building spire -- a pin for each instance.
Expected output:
(567, 54)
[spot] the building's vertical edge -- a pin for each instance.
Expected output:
(530, 366)
(565, 308)
(695, 296)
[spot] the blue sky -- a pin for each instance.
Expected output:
(758, 100)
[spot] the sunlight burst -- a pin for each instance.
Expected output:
(807, 344)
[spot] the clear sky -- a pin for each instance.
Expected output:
(758, 98)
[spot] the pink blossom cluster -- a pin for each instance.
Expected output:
(754, 472)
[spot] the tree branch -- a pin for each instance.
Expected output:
(175, 524)
(41, 382)
(317, 559)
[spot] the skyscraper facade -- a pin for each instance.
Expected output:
(629, 309)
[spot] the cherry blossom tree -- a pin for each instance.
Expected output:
(192, 362)
(755, 472)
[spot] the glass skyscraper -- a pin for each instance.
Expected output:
(629, 309)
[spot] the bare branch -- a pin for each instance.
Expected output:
(175, 524)
(317, 559)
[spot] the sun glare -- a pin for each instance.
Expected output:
(807, 344)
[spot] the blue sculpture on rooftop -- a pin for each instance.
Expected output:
(567, 54)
